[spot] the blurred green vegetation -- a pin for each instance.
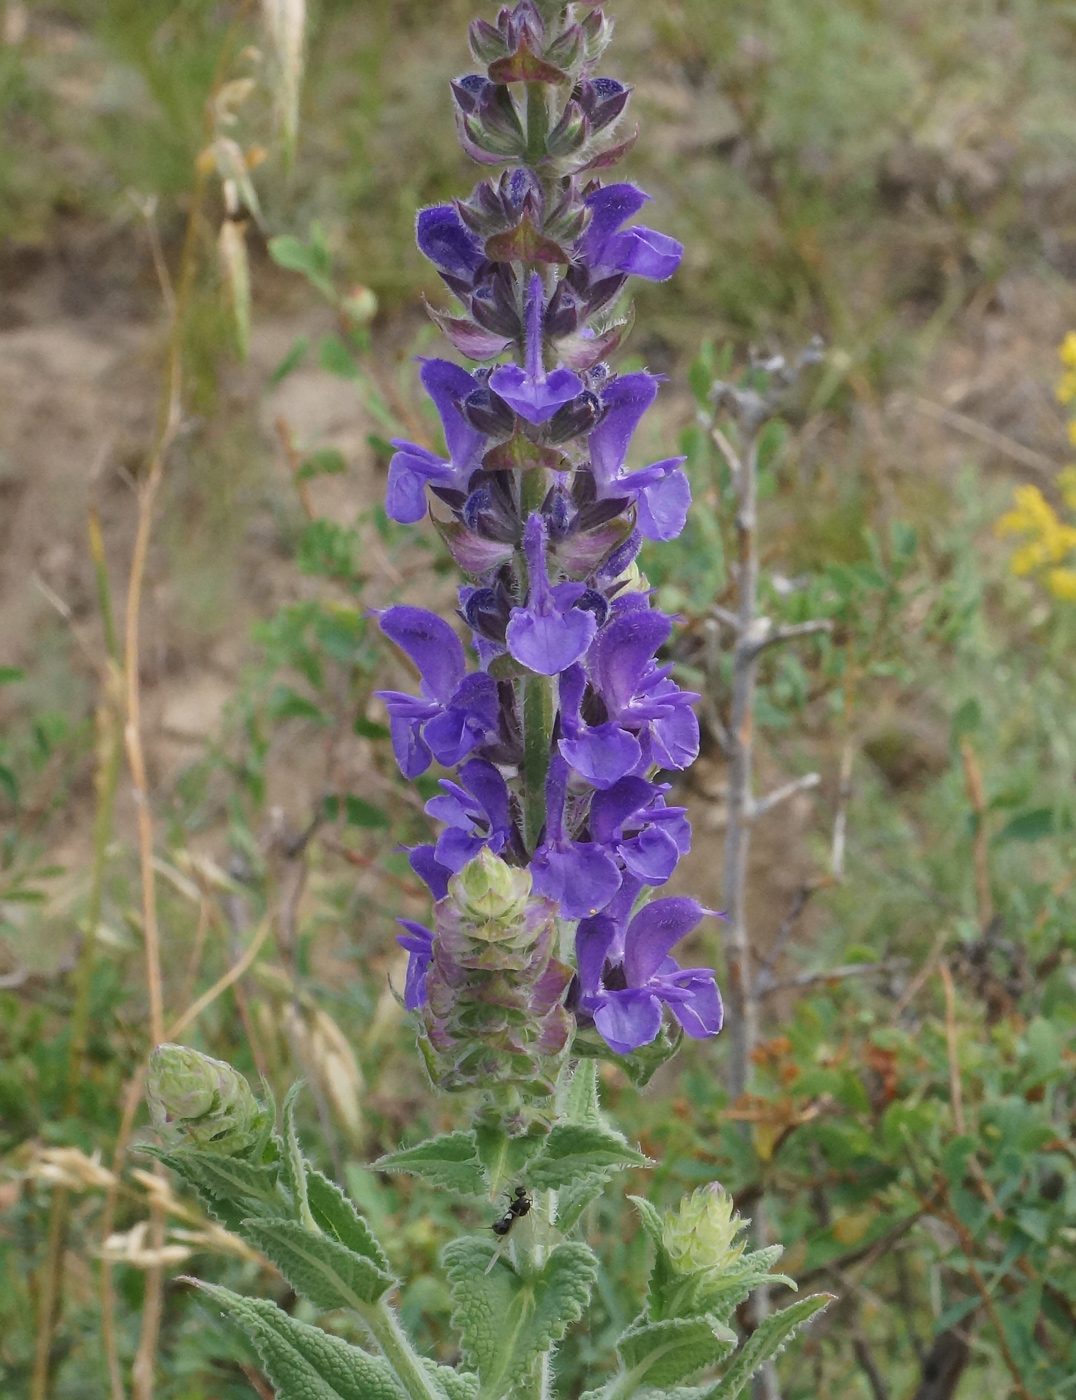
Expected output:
(873, 173)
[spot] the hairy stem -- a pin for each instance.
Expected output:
(537, 728)
(390, 1337)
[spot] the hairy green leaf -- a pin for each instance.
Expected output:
(319, 1267)
(450, 1161)
(504, 1156)
(665, 1353)
(227, 1186)
(337, 1216)
(572, 1150)
(454, 1385)
(506, 1321)
(770, 1337)
(581, 1103)
(303, 1362)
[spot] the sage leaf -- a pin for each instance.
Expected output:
(319, 1267)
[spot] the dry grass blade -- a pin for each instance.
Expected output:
(285, 24)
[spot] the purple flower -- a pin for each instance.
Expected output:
(419, 945)
(533, 394)
(625, 982)
(431, 872)
(631, 819)
(476, 814)
(413, 467)
(638, 694)
(661, 492)
(601, 753)
(607, 247)
(580, 875)
(453, 249)
(550, 633)
(455, 711)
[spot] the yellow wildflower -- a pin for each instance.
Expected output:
(1066, 387)
(1067, 350)
(1066, 480)
(1062, 584)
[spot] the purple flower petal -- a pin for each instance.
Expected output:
(643, 252)
(411, 752)
(610, 208)
(443, 237)
(674, 738)
(532, 393)
(625, 400)
(582, 877)
(552, 642)
(595, 942)
(448, 385)
(610, 810)
(656, 928)
(536, 400)
(702, 1013)
(623, 652)
(409, 471)
(431, 644)
(662, 497)
(603, 754)
(429, 870)
(628, 1019)
(419, 944)
(486, 784)
(651, 856)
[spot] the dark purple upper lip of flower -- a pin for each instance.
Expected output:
(534, 394)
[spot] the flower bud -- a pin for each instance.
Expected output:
(702, 1233)
(490, 895)
(200, 1102)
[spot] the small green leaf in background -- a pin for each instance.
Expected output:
(326, 461)
(311, 259)
(291, 361)
(336, 358)
(285, 703)
(367, 729)
(8, 674)
(967, 719)
(1040, 822)
(364, 814)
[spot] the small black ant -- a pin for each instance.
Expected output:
(518, 1207)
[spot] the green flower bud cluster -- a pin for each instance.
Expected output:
(494, 1012)
(196, 1101)
(702, 1233)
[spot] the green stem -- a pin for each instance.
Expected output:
(537, 121)
(537, 733)
(391, 1338)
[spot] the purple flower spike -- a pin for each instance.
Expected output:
(533, 394)
(419, 944)
(550, 633)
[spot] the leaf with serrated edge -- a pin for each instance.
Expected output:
(572, 1149)
(661, 1354)
(573, 1200)
(581, 1103)
(770, 1337)
(450, 1161)
(504, 1156)
(303, 1362)
(454, 1385)
(293, 1162)
(336, 1215)
(505, 1321)
(322, 1269)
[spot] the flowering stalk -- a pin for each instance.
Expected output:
(547, 941)
(560, 727)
